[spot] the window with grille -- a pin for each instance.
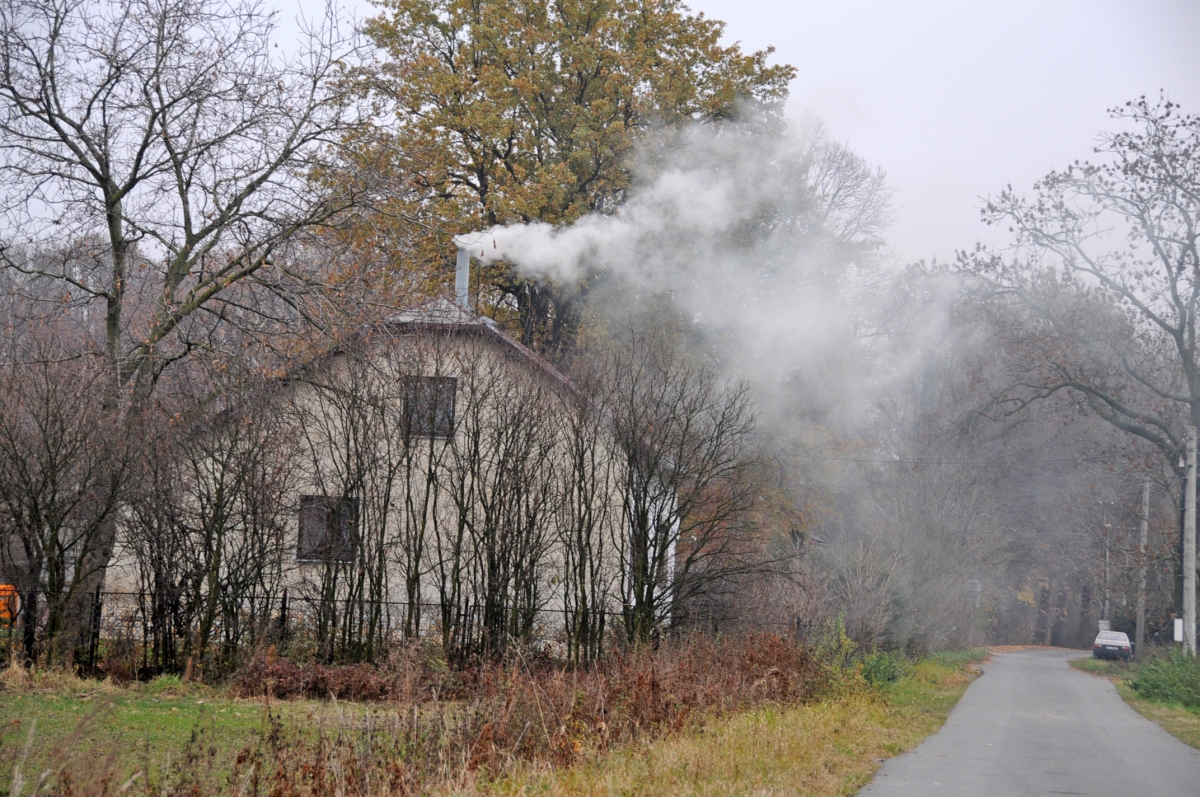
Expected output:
(429, 405)
(328, 529)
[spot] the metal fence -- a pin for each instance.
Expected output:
(122, 629)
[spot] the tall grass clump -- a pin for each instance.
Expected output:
(1169, 679)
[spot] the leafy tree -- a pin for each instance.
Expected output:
(517, 111)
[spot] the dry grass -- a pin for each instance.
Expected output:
(439, 729)
(831, 747)
(18, 679)
(826, 748)
(756, 715)
(1015, 648)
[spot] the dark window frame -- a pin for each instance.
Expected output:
(429, 406)
(336, 543)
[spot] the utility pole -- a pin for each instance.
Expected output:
(1189, 548)
(1140, 634)
(1106, 528)
(1183, 486)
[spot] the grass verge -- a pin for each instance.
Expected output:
(440, 728)
(829, 747)
(86, 738)
(1182, 722)
(54, 723)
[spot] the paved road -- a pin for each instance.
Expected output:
(1032, 726)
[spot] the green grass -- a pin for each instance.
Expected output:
(1182, 722)
(1106, 667)
(935, 684)
(831, 747)
(70, 724)
(133, 730)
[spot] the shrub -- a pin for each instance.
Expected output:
(1170, 679)
(523, 709)
(412, 674)
(882, 668)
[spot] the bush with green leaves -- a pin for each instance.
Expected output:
(1170, 679)
(883, 668)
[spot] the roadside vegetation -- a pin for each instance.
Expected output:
(699, 714)
(831, 746)
(1164, 688)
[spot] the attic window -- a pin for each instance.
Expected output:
(327, 528)
(429, 405)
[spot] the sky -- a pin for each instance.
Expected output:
(956, 99)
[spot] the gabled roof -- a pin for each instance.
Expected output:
(435, 311)
(443, 315)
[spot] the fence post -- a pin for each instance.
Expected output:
(94, 640)
(283, 617)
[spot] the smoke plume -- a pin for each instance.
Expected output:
(766, 235)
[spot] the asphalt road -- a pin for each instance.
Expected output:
(1031, 725)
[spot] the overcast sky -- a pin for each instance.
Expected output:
(955, 99)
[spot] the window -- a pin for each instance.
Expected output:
(328, 529)
(429, 405)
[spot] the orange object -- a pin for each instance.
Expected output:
(10, 604)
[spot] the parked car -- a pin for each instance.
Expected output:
(1112, 645)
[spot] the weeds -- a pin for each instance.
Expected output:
(882, 668)
(16, 678)
(441, 728)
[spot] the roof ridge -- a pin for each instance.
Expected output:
(444, 314)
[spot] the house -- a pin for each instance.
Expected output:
(432, 476)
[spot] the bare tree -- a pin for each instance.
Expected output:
(587, 513)
(64, 466)
(239, 466)
(684, 442)
(420, 450)
(172, 135)
(342, 411)
(205, 525)
(1105, 280)
(943, 524)
(154, 533)
(500, 480)
(163, 145)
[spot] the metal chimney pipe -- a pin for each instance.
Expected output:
(462, 278)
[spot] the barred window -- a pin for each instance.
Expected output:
(328, 528)
(429, 405)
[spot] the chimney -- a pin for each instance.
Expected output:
(462, 278)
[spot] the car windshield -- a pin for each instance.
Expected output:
(1112, 636)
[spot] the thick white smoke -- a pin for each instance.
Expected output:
(767, 235)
